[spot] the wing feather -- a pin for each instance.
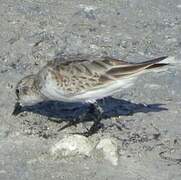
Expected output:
(131, 68)
(79, 75)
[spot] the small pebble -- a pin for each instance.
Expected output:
(71, 146)
(110, 150)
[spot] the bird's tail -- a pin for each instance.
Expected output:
(157, 63)
(128, 69)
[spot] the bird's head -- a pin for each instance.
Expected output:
(27, 93)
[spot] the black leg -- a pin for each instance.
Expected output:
(74, 121)
(96, 111)
(69, 124)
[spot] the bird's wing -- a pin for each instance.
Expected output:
(108, 69)
(81, 75)
(127, 69)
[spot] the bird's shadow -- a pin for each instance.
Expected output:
(60, 111)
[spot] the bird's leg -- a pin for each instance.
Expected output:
(69, 124)
(96, 111)
(72, 122)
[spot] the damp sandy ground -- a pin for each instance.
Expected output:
(144, 120)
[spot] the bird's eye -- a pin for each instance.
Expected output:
(17, 91)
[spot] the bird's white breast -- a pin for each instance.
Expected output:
(51, 90)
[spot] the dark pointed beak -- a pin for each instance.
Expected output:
(17, 109)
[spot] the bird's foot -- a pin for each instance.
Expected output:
(69, 124)
(93, 129)
(96, 111)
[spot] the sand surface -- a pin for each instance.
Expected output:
(145, 120)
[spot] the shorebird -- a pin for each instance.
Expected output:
(78, 79)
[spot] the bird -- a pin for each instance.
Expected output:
(79, 79)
